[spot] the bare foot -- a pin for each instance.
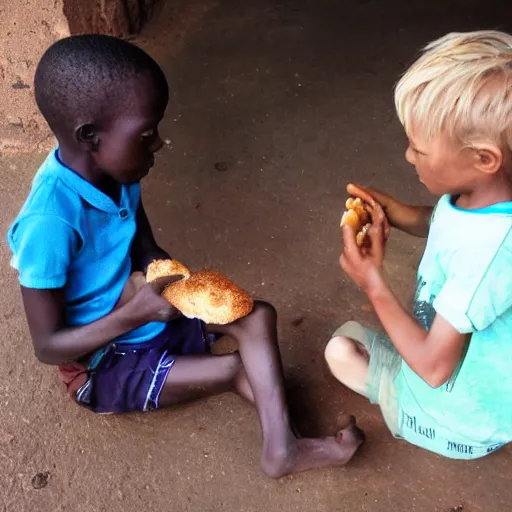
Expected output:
(224, 345)
(305, 454)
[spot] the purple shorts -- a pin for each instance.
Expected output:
(130, 377)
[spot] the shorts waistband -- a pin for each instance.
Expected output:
(153, 343)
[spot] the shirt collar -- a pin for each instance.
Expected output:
(497, 208)
(82, 187)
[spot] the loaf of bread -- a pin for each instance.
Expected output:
(357, 216)
(207, 294)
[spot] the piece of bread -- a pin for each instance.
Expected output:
(207, 295)
(158, 269)
(358, 217)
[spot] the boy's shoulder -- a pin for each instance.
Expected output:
(481, 233)
(473, 243)
(469, 256)
(50, 193)
(57, 191)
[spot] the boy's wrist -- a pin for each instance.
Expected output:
(128, 317)
(376, 287)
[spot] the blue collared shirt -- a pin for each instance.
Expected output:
(71, 235)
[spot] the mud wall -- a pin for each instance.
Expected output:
(27, 28)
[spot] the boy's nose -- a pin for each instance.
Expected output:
(409, 155)
(157, 145)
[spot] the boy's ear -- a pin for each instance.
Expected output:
(489, 158)
(87, 135)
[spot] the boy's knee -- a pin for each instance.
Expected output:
(233, 364)
(340, 350)
(263, 316)
(263, 312)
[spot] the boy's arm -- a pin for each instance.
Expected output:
(433, 355)
(414, 220)
(145, 248)
(56, 343)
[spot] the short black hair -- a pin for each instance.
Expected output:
(90, 75)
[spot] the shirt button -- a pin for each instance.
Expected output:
(123, 213)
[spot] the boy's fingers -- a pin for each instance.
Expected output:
(350, 247)
(165, 314)
(387, 229)
(161, 283)
(168, 312)
(374, 200)
(380, 197)
(138, 280)
(357, 191)
(379, 218)
(343, 263)
(377, 213)
(376, 234)
(175, 313)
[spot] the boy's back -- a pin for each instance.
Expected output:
(465, 276)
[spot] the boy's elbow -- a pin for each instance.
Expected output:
(42, 356)
(45, 355)
(435, 381)
(436, 378)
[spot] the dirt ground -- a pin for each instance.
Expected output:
(293, 98)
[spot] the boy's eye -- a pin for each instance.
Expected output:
(148, 134)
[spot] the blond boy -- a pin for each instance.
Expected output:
(443, 377)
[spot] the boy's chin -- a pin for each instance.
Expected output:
(132, 178)
(436, 191)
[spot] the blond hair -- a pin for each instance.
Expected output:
(461, 85)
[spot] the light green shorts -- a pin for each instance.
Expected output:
(384, 365)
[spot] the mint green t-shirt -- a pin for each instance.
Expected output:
(466, 277)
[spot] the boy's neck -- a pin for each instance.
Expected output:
(79, 162)
(81, 165)
(497, 190)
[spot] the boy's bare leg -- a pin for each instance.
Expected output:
(257, 373)
(348, 361)
(194, 377)
(282, 452)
